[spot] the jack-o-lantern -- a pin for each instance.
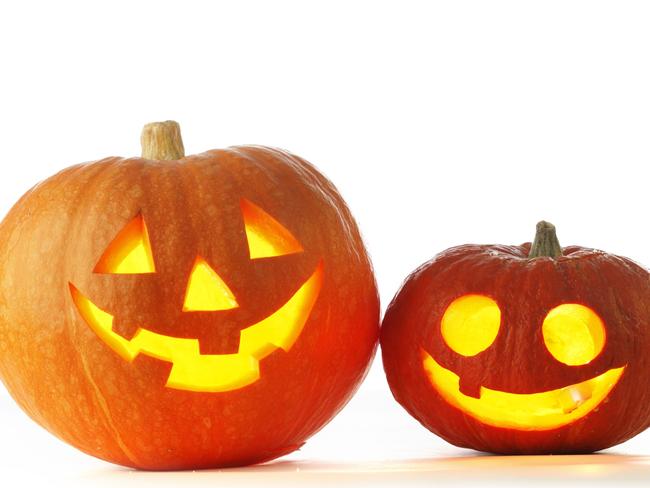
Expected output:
(523, 349)
(172, 312)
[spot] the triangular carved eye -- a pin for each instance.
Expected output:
(129, 252)
(266, 236)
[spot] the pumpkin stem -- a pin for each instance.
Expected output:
(546, 243)
(162, 140)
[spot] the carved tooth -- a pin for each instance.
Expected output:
(573, 396)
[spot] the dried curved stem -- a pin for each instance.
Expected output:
(546, 243)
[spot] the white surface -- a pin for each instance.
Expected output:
(440, 122)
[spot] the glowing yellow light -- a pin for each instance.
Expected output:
(206, 291)
(266, 236)
(573, 334)
(535, 411)
(194, 371)
(129, 252)
(470, 324)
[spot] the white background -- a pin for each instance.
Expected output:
(441, 123)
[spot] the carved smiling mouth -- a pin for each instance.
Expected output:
(534, 411)
(194, 371)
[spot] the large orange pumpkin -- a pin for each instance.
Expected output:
(171, 312)
(520, 349)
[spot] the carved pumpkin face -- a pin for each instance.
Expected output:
(499, 352)
(130, 253)
(209, 311)
(572, 333)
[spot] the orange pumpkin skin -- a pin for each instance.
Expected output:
(74, 385)
(517, 361)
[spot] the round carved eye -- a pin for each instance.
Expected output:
(573, 334)
(470, 324)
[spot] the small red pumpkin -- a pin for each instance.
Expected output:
(523, 349)
(171, 312)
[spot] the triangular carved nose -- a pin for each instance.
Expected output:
(206, 290)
